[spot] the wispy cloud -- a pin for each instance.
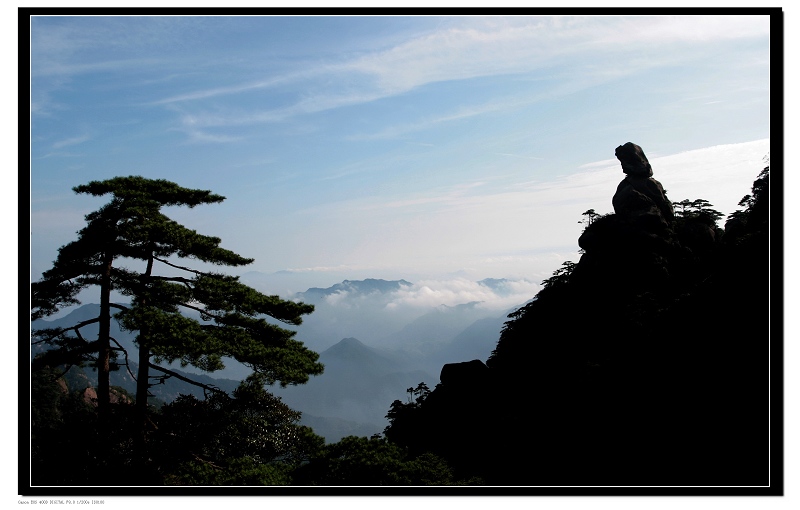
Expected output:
(553, 204)
(199, 136)
(327, 269)
(80, 44)
(70, 141)
(233, 89)
(451, 195)
(521, 45)
(57, 68)
(427, 123)
(237, 117)
(481, 48)
(520, 156)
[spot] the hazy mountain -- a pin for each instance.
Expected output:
(350, 352)
(358, 385)
(368, 286)
(498, 285)
(475, 342)
(422, 340)
(289, 283)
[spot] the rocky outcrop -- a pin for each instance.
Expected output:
(631, 249)
(89, 396)
(639, 198)
(467, 373)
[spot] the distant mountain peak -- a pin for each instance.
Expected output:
(457, 308)
(345, 345)
(368, 286)
(490, 282)
(352, 350)
(351, 342)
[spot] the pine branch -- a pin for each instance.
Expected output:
(185, 379)
(179, 279)
(201, 310)
(182, 267)
(127, 363)
(61, 331)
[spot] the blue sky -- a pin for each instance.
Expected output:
(393, 147)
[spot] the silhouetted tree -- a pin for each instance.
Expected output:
(698, 208)
(756, 206)
(401, 413)
(589, 217)
(418, 394)
(117, 230)
(560, 275)
(132, 226)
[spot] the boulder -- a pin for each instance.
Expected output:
(464, 373)
(90, 397)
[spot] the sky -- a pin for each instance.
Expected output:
(393, 147)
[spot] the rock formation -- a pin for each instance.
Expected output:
(640, 199)
(464, 374)
(631, 248)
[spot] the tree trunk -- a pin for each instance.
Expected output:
(142, 383)
(143, 378)
(104, 338)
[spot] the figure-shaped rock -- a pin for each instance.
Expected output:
(640, 199)
(633, 160)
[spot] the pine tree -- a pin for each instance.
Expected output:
(132, 227)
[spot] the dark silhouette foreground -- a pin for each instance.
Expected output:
(646, 363)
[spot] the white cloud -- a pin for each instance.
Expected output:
(338, 299)
(453, 292)
(434, 293)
